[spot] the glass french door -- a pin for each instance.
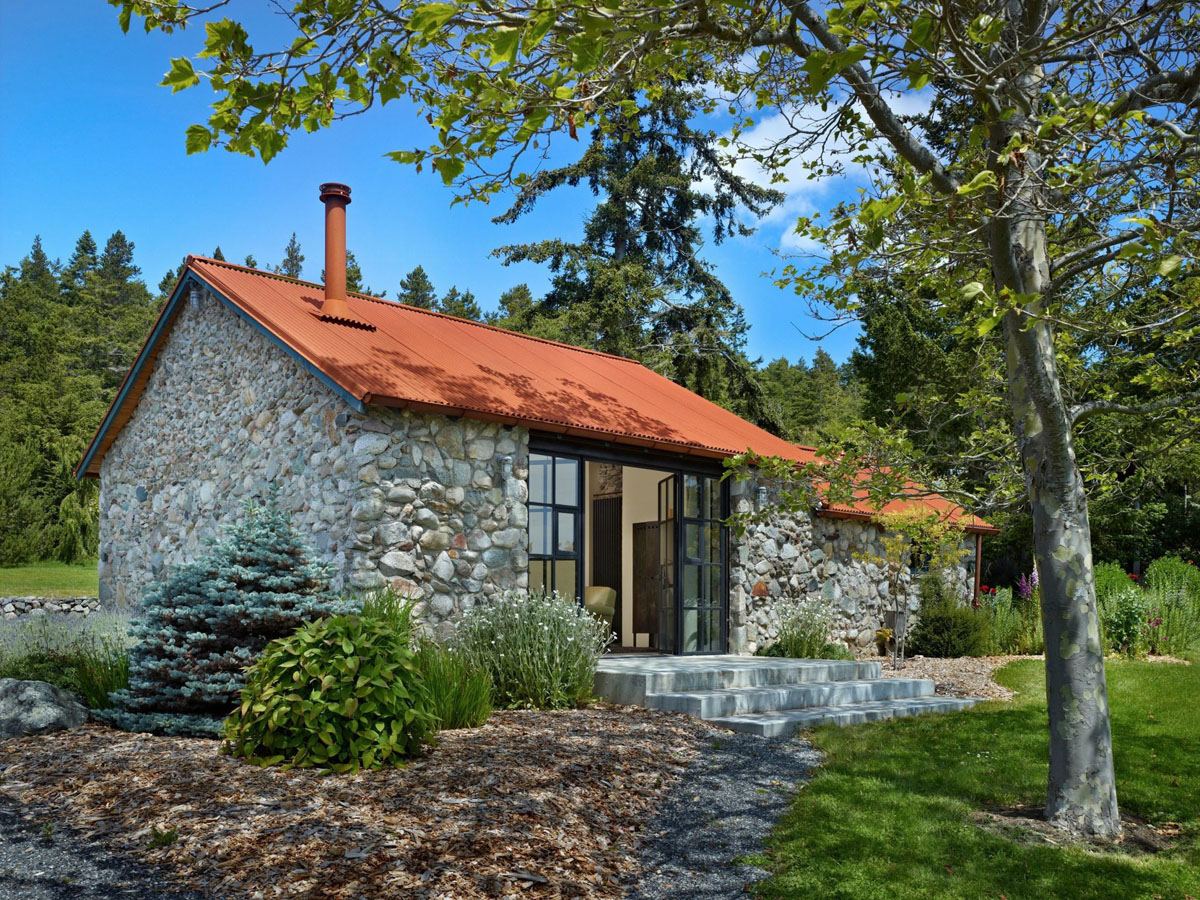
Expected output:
(555, 524)
(692, 554)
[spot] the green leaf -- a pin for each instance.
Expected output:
(983, 181)
(199, 139)
(429, 18)
(972, 289)
(181, 76)
(1169, 265)
(505, 43)
(449, 168)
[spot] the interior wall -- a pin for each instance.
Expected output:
(639, 504)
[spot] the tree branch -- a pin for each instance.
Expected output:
(1082, 411)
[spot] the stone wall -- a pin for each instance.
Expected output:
(788, 556)
(433, 505)
(13, 607)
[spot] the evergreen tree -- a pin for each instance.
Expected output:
(212, 618)
(250, 262)
(636, 285)
(293, 260)
(217, 254)
(83, 262)
(417, 290)
(462, 305)
(116, 262)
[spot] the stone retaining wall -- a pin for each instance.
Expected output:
(13, 607)
(786, 556)
(433, 505)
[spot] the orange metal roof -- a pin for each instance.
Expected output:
(413, 358)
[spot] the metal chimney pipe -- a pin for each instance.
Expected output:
(336, 198)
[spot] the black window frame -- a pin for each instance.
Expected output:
(555, 508)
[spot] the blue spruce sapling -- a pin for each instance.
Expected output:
(211, 618)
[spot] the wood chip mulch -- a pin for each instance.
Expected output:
(962, 677)
(533, 804)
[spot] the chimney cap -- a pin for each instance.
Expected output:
(335, 189)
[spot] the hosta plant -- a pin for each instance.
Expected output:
(341, 693)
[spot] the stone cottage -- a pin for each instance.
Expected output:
(454, 460)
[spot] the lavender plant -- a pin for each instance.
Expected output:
(540, 649)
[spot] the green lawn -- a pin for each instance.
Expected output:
(888, 816)
(49, 579)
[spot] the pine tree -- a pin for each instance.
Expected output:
(116, 262)
(211, 619)
(82, 263)
(217, 254)
(462, 305)
(293, 260)
(636, 284)
(417, 290)
(250, 262)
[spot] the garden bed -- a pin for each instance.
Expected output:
(965, 676)
(538, 804)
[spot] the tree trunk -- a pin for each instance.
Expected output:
(1081, 795)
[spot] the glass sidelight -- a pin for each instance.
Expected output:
(702, 564)
(555, 524)
(693, 609)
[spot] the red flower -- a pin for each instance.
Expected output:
(983, 589)
(1134, 577)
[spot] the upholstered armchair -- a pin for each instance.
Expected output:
(601, 602)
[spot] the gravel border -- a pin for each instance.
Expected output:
(722, 810)
(36, 865)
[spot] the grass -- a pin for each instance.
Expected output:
(50, 579)
(889, 815)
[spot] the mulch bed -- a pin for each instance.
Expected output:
(962, 677)
(533, 804)
(1027, 825)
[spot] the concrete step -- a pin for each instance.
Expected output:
(787, 721)
(628, 680)
(735, 701)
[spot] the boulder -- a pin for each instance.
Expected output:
(35, 707)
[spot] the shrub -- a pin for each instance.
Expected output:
(200, 630)
(804, 626)
(1173, 572)
(342, 693)
(1123, 620)
(87, 656)
(834, 650)
(945, 627)
(460, 696)
(539, 649)
(1172, 615)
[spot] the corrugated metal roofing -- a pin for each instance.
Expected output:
(413, 358)
(417, 358)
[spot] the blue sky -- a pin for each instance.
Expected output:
(89, 140)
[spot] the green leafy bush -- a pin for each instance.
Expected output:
(945, 627)
(1123, 620)
(342, 693)
(460, 696)
(1005, 625)
(1172, 571)
(87, 656)
(200, 630)
(539, 649)
(1112, 581)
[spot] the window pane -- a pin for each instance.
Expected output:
(564, 578)
(691, 496)
(716, 587)
(537, 576)
(539, 478)
(566, 482)
(691, 585)
(710, 631)
(714, 543)
(566, 532)
(691, 629)
(539, 530)
(692, 541)
(714, 498)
